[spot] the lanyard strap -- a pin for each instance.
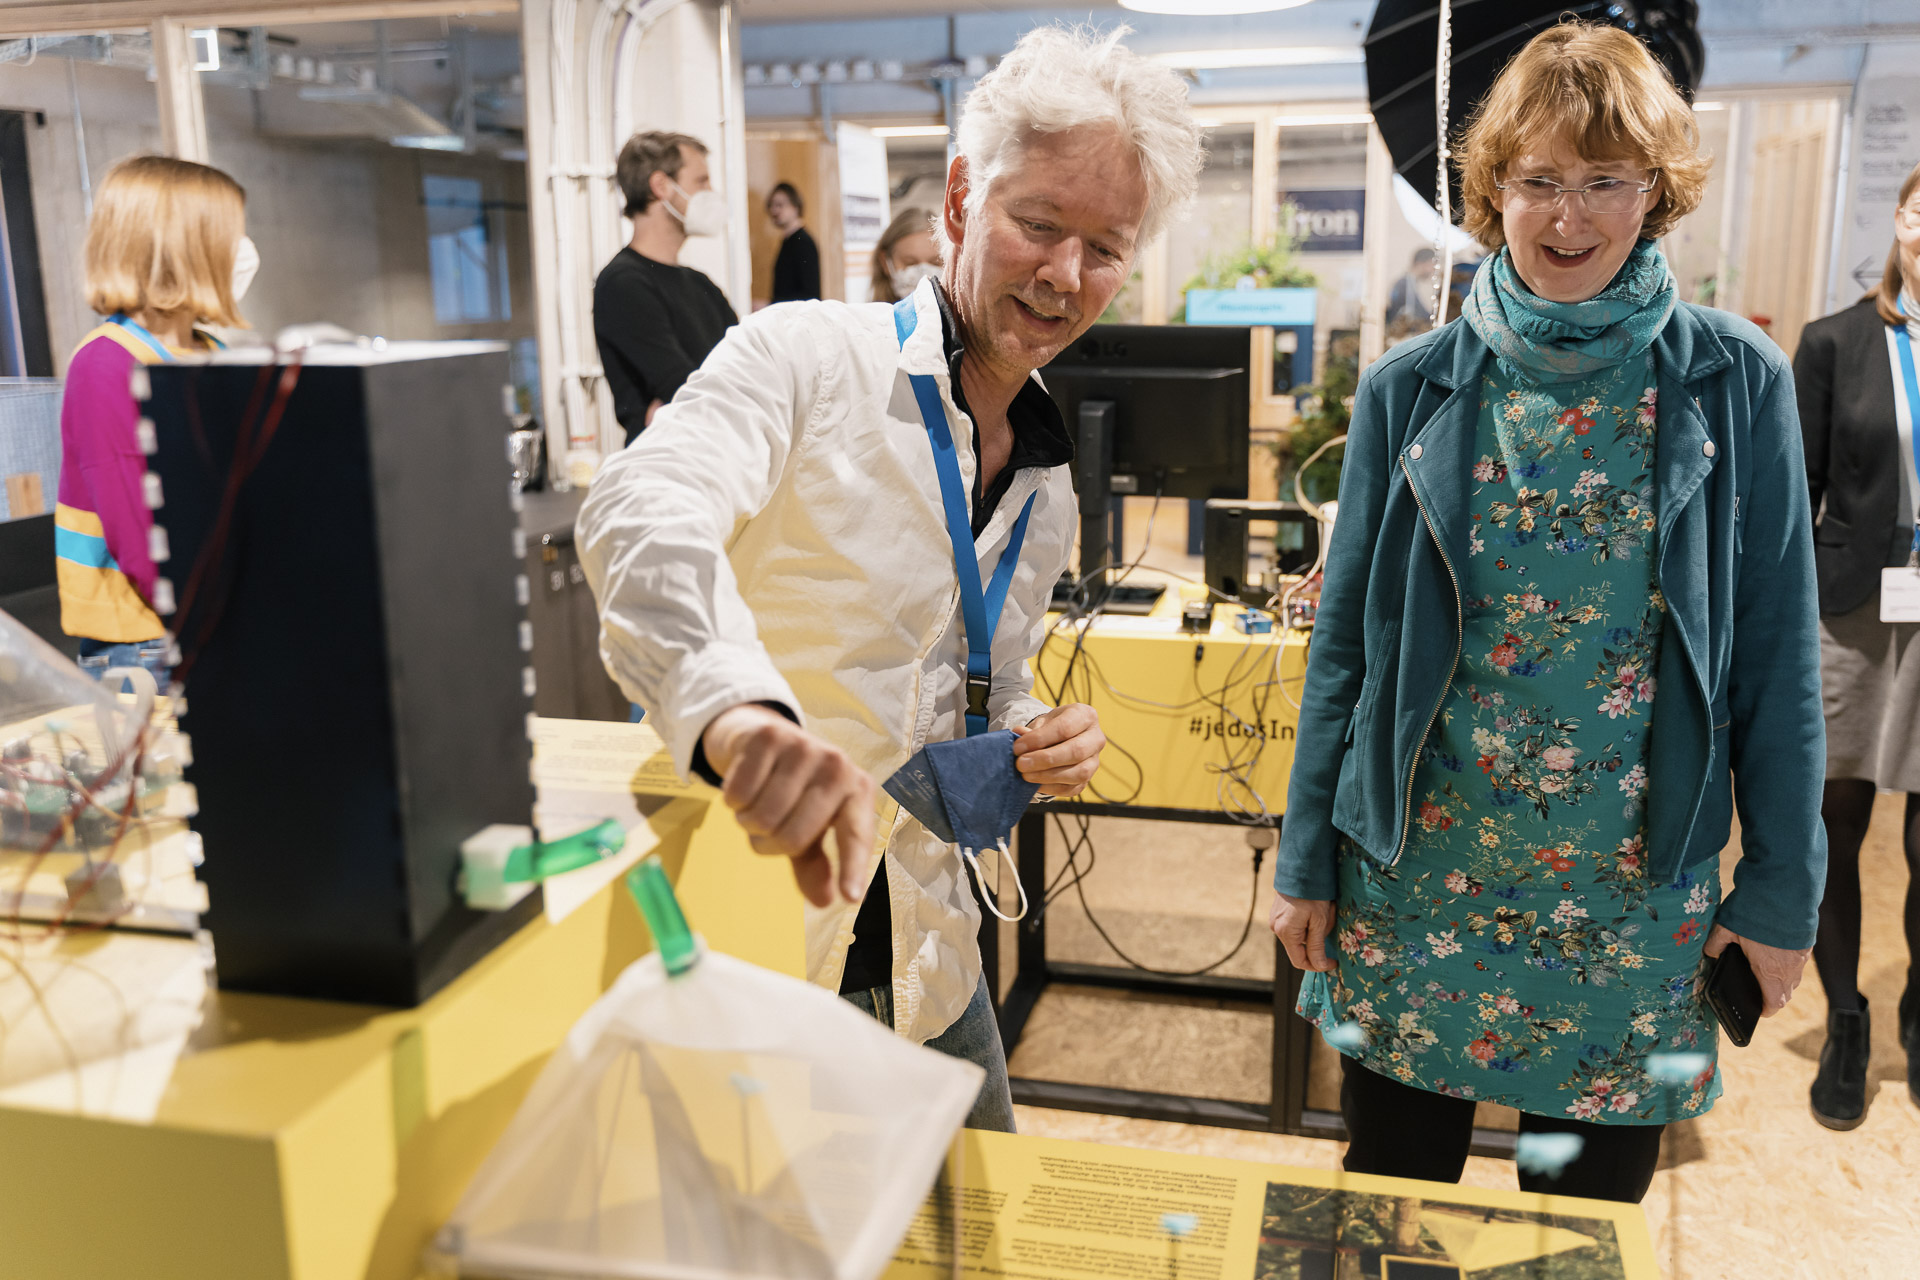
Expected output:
(160, 348)
(139, 331)
(979, 610)
(1903, 342)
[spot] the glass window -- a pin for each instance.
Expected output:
(385, 170)
(1319, 210)
(1213, 247)
(1693, 247)
(1767, 258)
(468, 264)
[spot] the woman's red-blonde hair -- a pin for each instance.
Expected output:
(163, 237)
(1599, 91)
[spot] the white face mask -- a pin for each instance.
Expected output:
(246, 263)
(706, 213)
(906, 279)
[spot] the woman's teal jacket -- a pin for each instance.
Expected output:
(1739, 670)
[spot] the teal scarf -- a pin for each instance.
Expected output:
(1552, 342)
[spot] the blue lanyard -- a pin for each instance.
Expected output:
(160, 348)
(1904, 343)
(980, 611)
(139, 331)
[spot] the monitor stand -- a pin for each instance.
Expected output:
(1102, 516)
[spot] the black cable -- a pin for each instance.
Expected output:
(1246, 930)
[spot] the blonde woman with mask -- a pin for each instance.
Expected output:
(905, 256)
(166, 252)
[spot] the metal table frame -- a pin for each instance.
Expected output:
(1286, 1110)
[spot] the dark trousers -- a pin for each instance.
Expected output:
(1404, 1132)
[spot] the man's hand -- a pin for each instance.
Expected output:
(788, 789)
(1778, 971)
(1060, 749)
(1303, 926)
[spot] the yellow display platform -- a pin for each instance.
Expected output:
(314, 1141)
(1194, 721)
(308, 1141)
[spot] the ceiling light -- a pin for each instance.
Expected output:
(1299, 55)
(209, 38)
(1208, 8)
(911, 131)
(429, 141)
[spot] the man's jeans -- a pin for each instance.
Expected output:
(98, 656)
(974, 1038)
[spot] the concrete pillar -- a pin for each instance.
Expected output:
(183, 115)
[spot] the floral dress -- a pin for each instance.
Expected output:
(1519, 952)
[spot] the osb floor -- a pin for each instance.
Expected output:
(1755, 1189)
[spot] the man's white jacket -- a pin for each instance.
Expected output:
(777, 535)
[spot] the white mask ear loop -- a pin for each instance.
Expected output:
(990, 897)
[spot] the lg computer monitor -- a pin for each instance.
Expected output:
(1180, 396)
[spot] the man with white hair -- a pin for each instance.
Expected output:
(785, 560)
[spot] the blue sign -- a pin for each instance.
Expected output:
(1328, 221)
(1278, 307)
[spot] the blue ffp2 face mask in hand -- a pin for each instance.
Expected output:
(968, 792)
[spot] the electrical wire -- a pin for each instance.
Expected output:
(1085, 841)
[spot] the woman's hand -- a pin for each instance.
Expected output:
(1779, 971)
(1302, 925)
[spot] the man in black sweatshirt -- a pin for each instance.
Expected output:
(655, 320)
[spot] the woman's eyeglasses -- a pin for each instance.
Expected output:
(1602, 195)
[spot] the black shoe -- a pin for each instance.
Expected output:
(1840, 1090)
(1910, 1038)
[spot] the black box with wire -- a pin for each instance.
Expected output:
(349, 610)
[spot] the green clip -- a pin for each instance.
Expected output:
(583, 848)
(653, 893)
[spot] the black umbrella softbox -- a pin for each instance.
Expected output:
(1401, 46)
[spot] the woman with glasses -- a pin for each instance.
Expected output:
(1568, 616)
(1853, 374)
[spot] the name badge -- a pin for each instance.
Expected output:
(1900, 595)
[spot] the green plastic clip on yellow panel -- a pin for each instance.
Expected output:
(500, 865)
(653, 892)
(581, 849)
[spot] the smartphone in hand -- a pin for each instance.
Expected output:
(1734, 995)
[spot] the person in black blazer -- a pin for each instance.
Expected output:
(1850, 386)
(796, 268)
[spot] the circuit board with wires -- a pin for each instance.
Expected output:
(84, 843)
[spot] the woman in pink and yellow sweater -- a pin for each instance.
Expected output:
(163, 246)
